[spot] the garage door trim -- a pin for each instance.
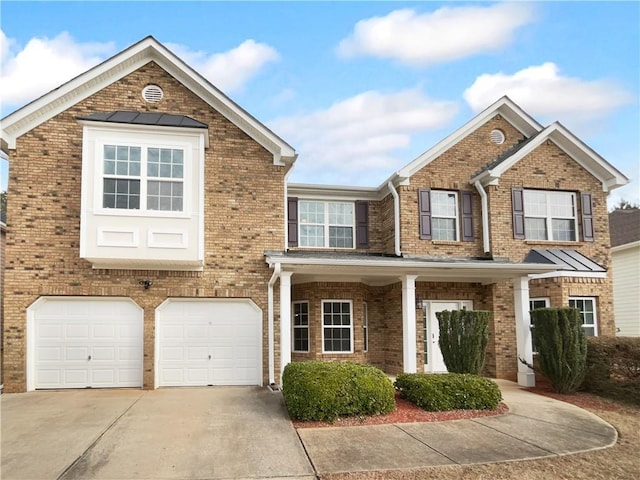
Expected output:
(31, 344)
(240, 301)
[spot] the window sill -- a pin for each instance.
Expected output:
(141, 213)
(446, 242)
(554, 242)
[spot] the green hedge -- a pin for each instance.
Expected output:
(449, 391)
(562, 346)
(324, 391)
(463, 339)
(613, 368)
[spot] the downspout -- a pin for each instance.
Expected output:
(485, 217)
(270, 316)
(396, 214)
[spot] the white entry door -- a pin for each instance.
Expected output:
(202, 342)
(433, 361)
(80, 342)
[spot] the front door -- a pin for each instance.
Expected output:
(433, 361)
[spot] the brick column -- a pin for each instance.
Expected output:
(409, 324)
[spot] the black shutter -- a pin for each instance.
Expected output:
(424, 204)
(588, 234)
(467, 216)
(517, 204)
(292, 221)
(362, 224)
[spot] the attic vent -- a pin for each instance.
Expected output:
(497, 137)
(152, 93)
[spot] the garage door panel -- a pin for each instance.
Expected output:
(87, 342)
(214, 335)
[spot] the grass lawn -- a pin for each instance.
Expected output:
(619, 462)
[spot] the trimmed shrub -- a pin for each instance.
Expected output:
(449, 391)
(613, 368)
(562, 346)
(463, 339)
(324, 391)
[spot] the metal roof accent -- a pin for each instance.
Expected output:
(144, 118)
(565, 259)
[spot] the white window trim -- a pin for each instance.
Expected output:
(326, 223)
(550, 215)
(595, 312)
(547, 303)
(455, 217)
(191, 142)
(344, 352)
(365, 326)
(294, 326)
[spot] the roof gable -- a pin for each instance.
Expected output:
(607, 174)
(505, 107)
(147, 50)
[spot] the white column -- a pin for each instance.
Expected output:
(409, 324)
(526, 376)
(285, 321)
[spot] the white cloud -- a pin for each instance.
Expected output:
(231, 70)
(354, 140)
(542, 90)
(444, 35)
(43, 64)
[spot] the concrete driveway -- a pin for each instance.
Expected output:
(212, 433)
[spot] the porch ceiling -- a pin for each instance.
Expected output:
(382, 270)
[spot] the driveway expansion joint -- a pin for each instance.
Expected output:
(426, 444)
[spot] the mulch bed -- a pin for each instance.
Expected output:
(580, 399)
(405, 412)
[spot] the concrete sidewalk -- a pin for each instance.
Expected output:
(535, 427)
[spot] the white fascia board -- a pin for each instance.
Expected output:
(334, 192)
(572, 274)
(124, 63)
(409, 265)
(626, 246)
(511, 112)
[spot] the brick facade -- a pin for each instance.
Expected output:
(244, 216)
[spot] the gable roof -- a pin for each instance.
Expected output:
(148, 49)
(624, 226)
(609, 176)
(511, 112)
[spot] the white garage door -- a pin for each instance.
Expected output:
(208, 342)
(86, 342)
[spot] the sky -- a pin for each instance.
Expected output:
(360, 89)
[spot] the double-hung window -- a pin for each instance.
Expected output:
(326, 224)
(587, 308)
(549, 215)
(337, 326)
(444, 215)
(300, 326)
(535, 303)
(141, 177)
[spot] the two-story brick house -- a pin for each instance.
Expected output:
(154, 240)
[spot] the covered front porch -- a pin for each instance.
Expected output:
(388, 304)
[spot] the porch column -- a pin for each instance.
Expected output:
(285, 321)
(526, 376)
(409, 324)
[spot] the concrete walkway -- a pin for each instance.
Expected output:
(244, 432)
(535, 427)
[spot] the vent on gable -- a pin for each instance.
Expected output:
(497, 137)
(152, 93)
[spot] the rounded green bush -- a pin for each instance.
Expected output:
(449, 391)
(324, 391)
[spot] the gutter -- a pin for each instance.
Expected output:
(396, 219)
(270, 316)
(485, 217)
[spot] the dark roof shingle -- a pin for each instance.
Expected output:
(624, 226)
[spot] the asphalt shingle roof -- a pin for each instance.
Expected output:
(624, 226)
